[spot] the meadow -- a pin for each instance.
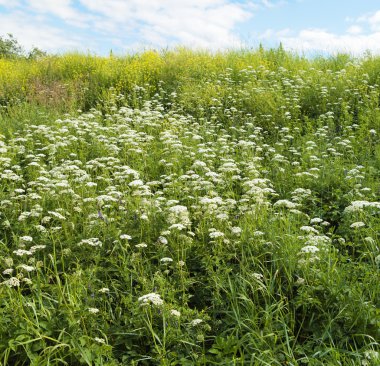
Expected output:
(190, 208)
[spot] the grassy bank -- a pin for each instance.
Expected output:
(184, 208)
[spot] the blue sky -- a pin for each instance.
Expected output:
(97, 26)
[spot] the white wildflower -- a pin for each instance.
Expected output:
(21, 252)
(357, 225)
(57, 215)
(309, 249)
(162, 240)
(104, 290)
(179, 215)
(166, 260)
(151, 298)
(8, 261)
(285, 204)
(175, 313)
(216, 234)
(26, 267)
(195, 322)
(318, 240)
(236, 230)
(136, 183)
(26, 238)
(125, 237)
(177, 227)
(309, 229)
(141, 245)
(93, 242)
(12, 282)
(222, 216)
(316, 220)
(258, 276)
(37, 247)
(370, 240)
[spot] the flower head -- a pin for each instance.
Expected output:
(152, 298)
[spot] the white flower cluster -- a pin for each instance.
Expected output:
(357, 225)
(11, 282)
(358, 206)
(285, 204)
(152, 298)
(179, 215)
(93, 242)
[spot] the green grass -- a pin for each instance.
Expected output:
(198, 209)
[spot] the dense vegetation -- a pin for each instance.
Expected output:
(189, 208)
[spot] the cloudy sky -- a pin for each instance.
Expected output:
(97, 26)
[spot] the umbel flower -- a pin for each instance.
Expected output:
(179, 215)
(357, 225)
(152, 298)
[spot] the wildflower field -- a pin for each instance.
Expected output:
(189, 208)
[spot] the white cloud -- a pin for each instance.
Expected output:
(362, 35)
(354, 29)
(155, 23)
(267, 4)
(63, 9)
(10, 4)
(273, 35)
(31, 31)
(320, 40)
(373, 20)
(198, 23)
(270, 4)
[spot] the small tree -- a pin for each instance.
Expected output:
(36, 53)
(9, 47)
